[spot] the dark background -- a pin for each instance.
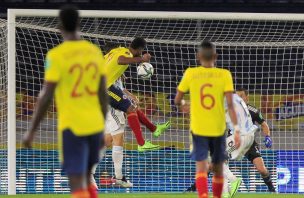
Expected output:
(267, 6)
(261, 70)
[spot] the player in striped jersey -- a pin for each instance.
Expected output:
(114, 137)
(247, 130)
(253, 154)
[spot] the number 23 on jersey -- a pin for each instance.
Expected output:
(82, 86)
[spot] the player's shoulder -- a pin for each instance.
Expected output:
(96, 48)
(237, 97)
(125, 51)
(55, 50)
(252, 108)
(191, 70)
(223, 71)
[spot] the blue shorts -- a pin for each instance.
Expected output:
(118, 100)
(202, 145)
(80, 154)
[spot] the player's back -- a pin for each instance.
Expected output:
(207, 87)
(76, 66)
(243, 116)
(115, 70)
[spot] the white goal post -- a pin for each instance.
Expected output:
(235, 34)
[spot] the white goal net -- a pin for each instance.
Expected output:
(3, 106)
(264, 54)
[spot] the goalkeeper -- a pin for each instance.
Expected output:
(253, 154)
(117, 61)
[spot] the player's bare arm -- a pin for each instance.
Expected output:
(44, 101)
(122, 60)
(178, 98)
(103, 96)
(133, 97)
(265, 128)
(233, 117)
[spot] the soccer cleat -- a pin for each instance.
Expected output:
(148, 146)
(160, 128)
(192, 188)
(271, 189)
(122, 182)
(235, 186)
(226, 195)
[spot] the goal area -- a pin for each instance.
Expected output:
(264, 52)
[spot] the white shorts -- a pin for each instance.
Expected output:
(238, 154)
(115, 122)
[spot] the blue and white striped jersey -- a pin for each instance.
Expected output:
(243, 116)
(118, 83)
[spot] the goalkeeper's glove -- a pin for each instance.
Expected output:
(268, 141)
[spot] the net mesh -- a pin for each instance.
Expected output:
(3, 107)
(265, 57)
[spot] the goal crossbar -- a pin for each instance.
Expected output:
(11, 42)
(174, 42)
(167, 15)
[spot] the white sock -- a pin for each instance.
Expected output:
(102, 153)
(117, 156)
(228, 174)
(225, 186)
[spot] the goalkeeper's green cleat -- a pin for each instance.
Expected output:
(160, 128)
(235, 186)
(148, 146)
(226, 195)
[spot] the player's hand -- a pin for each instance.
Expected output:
(135, 99)
(146, 57)
(237, 139)
(268, 141)
(28, 139)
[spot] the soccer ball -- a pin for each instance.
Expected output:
(145, 70)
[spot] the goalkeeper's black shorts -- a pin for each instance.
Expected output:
(253, 152)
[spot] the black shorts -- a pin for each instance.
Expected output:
(253, 152)
(118, 100)
(80, 153)
(202, 145)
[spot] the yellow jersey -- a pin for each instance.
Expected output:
(207, 87)
(76, 67)
(114, 70)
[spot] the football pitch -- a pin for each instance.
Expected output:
(160, 195)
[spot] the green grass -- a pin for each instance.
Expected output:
(160, 195)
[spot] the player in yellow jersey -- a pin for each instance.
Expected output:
(208, 86)
(75, 72)
(118, 60)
